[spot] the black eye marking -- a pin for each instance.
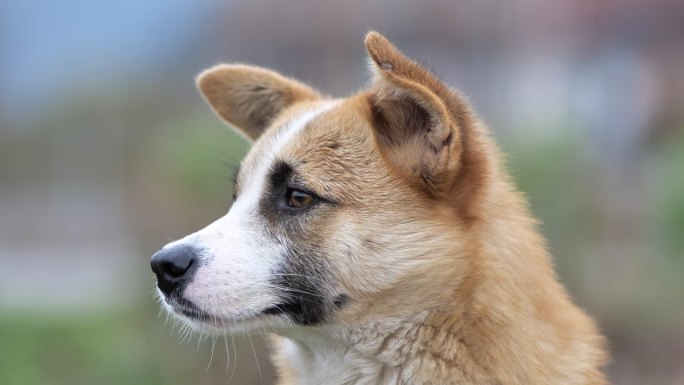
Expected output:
(280, 173)
(287, 195)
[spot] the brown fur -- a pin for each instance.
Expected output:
(466, 292)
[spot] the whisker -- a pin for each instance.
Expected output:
(199, 341)
(221, 161)
(268, 345)
(292, 290)
(219, 151)
(256, 359)
(225, 344)
(293, 275)
(211, 357)
(232, 373)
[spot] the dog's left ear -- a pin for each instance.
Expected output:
(419, 123)
(249, 97)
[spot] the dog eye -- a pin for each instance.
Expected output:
(298, 199)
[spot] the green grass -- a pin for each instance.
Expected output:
(133, 347)
(118, 348)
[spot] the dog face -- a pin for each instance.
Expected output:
(343, 209)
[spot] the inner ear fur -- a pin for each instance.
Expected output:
(420, 124)
(249, 97)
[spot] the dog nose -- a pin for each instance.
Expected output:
(174, 266)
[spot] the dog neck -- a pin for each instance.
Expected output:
(430, 347)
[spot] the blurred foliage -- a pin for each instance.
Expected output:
(96, 349)
(670, 200)
(130, 347)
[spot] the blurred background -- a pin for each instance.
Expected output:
(107, 151)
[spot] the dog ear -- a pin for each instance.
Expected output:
(248, 97)
(418, 121)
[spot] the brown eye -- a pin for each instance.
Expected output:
(299, 199)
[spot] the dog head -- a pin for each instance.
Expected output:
(344, 209)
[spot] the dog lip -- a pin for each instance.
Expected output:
(274, 309)
(192, 313)
(188, 309)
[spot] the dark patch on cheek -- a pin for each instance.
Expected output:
(299, 281)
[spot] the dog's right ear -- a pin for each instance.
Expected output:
(248, 97)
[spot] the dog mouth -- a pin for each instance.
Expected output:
(192, 312)
(186, 308)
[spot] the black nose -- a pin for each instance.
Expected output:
(174, 266)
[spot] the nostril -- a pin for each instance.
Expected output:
(177, 268)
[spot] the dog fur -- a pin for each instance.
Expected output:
(419, 263)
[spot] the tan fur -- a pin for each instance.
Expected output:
(449, 279)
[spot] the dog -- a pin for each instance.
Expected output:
(379, 238)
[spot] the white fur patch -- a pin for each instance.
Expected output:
(233, 281)
(319, 362)
(249, 198)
